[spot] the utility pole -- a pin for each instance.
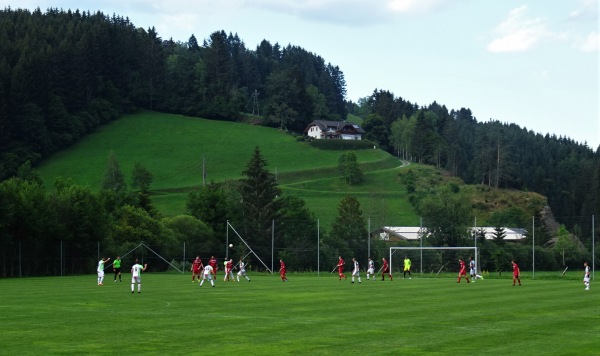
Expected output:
(255, 102)
(203, 171)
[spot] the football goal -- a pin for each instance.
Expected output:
(432, 260)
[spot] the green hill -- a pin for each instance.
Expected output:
(172, 148)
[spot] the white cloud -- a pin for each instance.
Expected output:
(518, 32)
(414, 6)
(590, 44)
(588, 10)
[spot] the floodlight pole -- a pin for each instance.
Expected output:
(369, 238)
(421, 241)
(272, 242)
(318, 249)
(593, 245)
(475, 238)
(227, 240)
(533, 248)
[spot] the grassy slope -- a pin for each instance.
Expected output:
(172, 148)
(308, 315)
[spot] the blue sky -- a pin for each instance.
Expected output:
(532, 62)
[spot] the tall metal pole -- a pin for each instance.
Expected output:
(203, 171)
(318, 249)
(369, 239)
(272, 242)
(533, 249)
(227, 240)
(475, 234)
(421, 241)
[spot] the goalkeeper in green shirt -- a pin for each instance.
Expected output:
(117, 268)
(407, 267)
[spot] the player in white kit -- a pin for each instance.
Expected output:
(473, 270)
(371, 269)
(242, 271)
(207, 274)
(586, 276)
(100, 270)
(355, 271)
(136, 275)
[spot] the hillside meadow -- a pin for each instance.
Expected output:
(173, 147)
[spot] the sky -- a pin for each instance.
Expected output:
(534, 63)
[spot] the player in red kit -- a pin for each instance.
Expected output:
(516, 272)
(462, 271)
(197, 267)
(385, 269)
(282, 271)
(229, 271)
(340, 267)
(213, 263)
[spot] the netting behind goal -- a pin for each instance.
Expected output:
(431, 260)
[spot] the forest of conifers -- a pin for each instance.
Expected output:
(64, 73)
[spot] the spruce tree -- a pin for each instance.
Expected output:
(259, 193)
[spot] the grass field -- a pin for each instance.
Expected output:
(307, 315)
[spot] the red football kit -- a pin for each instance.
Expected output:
(282, 271)
(340, 267)
(462, 271)
(385, 269)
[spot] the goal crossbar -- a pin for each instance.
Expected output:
(395, 248)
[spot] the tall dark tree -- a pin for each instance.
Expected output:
(259, 193)
(348, 236)
(296, 240)
(447, 215)
(349, 169)
(210, 205)
(113, 180)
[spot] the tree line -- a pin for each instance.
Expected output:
(51, 232)
(495, 154)
(64, 73)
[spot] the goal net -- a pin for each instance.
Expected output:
(432, 260)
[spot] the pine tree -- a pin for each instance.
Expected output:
(259, 193)
(114, 180)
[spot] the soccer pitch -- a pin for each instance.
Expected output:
(307, 315)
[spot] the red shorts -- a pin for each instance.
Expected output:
(463, 272)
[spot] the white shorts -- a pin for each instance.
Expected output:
(371, 271)
(586, 279)
(472, 272)
(100, 274)
(208, 276)
(242, 272)
(356, 273)
(137, 279)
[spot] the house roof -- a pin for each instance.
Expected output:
(412, 233)
(326, 125)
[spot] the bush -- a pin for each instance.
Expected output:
(334, 144)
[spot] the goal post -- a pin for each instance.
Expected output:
(435, 263)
